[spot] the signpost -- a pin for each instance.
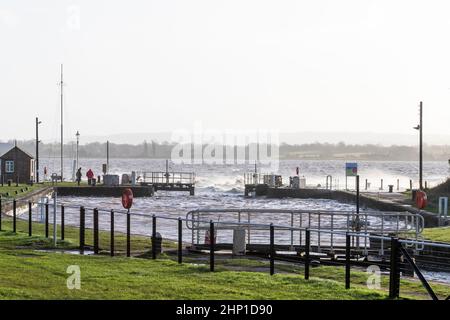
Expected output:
(351, 170)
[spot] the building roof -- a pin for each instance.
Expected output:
(21, 150)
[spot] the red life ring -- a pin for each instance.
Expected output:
(127, 198)
(421, 199)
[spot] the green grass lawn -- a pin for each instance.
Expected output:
(441, 234)
(22, 190)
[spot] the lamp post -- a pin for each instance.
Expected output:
(37, 149)
(420, 128)
(78, 143)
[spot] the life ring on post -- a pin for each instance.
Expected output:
(421, 199)
(127, 198)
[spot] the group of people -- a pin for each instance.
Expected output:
(89, 175)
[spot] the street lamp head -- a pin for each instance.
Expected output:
(417, 127)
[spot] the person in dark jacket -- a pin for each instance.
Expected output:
(78, 176)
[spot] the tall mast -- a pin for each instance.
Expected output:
(62, 119)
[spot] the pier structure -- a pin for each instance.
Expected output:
(169, 181)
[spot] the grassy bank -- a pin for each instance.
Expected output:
(441, 234)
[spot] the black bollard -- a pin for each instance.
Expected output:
(112, 234)
(180, 240)
(211, 246)
(347, 261)
(62, 221)
(82, 217)
(154, 237)
(30, 219)
(128, 234)
(95, 231)
(272, 250)
(307, 248)
(14, 214)
(46, 220)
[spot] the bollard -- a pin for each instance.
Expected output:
(153, 237)
(112, 234)
(394, 276)
(272, 250)
(46, 220)
(128, 234)
(307, 247)
(82, 213)
(14, 214)
(95, 231)
(62, 222)
(180, 240)
(211, 246)
(30, 221)
(347, 261)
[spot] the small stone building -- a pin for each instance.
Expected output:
(17, 165)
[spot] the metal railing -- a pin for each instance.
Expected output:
(167, 177)
(373, 222)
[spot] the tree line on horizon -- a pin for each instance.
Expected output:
(314, 151)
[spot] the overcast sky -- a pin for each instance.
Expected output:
(151, 66)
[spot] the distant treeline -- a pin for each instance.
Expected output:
(320, 151)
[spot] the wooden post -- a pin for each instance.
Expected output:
(307, 248)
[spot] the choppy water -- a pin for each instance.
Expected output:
(229, 178)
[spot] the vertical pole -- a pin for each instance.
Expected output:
(82, 213)
(37, 150)
(112, 234)
(394, 277)
(358, 227)
(62, 222)
(410, 184)
(55, 207)
(128, 234)
(211, 245)
(46, 220)
(1, 207)
(180, 240)
(347, 261)
(62, 126)
(14, 215)
(421, 147)
(30, 223)
(398, 184)
(95, 231)
(154, 237)
(307, 248)
(107, 156)
(272, 250)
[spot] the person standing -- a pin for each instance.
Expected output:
(90, 175)
(78, 176)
